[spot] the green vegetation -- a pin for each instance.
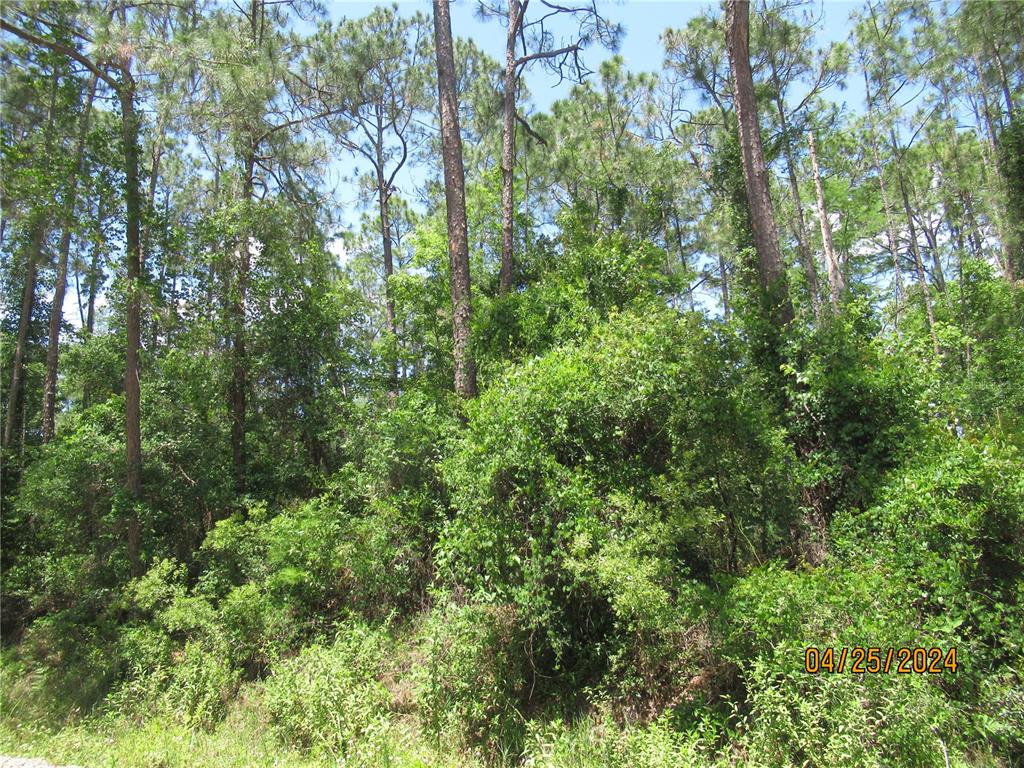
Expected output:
(273, 507)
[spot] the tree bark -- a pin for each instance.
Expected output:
(383, 200)
(57, 310)
(800, 226)
(836, 281)
(755, 172)
(94, 273)
(28, 296)
(889, 226)
(723, 274)
(239, 364)
(455, 199)
(28, 300)
(915, 251)
(931, 235)
(133, 255)
(1003, 82)
(995, 173)
(508, 147)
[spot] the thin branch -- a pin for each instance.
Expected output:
(546, 54)
(274, 129)
(62, 49)
(526, 126)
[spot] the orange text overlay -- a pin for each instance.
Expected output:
(867, 660)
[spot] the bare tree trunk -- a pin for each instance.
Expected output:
(526, 199)
(508, 145)
(986, 108)
(383, 199)
(724, 276)
(94, 278)
(57, 310)
(996, 174)
(1004, 83)
(91, 284)
(455, 198)
(836, 281)
(755, 172)
(389, 258)
(922, 281)
(28, 296)
(931, 234)
(28, 300)
(133, 255)
(799, 225)
(890, 228)
(239, 375)
(147, 231)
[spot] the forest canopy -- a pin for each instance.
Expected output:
(429, 385)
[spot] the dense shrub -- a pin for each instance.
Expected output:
(328, 699)
(905, 573)
(853, 409)
(474, 677)
(637, 449)
(177, 657)
(578, 286)
(789, 717)
(601, 743)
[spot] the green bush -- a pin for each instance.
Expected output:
(328, 699)
(257, 630)
(845, 721)
(575, 290)
(593, 742)
(474, 678)
(641, 448)
(905, 573)
(854, 409)
(200, 684)
(787, 716)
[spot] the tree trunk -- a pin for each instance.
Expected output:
(94, 274)
(755, 173)
(836, 281)
(958, 194)
(57, 310)
(148, 233)
(799, 225)
(383, 199)
(922, 281)
(723, 274)
(28, 300)
(133, 255)
(1004, 83)
(889, 226)
(239, 376)
(931, 234)
(986, 109)
(995, 173)
(890, 230)
(508, 145)
(28, 296)
(455, 199)
(389, 259)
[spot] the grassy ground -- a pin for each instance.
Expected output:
(243, 739)
(240, 741)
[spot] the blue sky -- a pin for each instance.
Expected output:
(643, 21)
